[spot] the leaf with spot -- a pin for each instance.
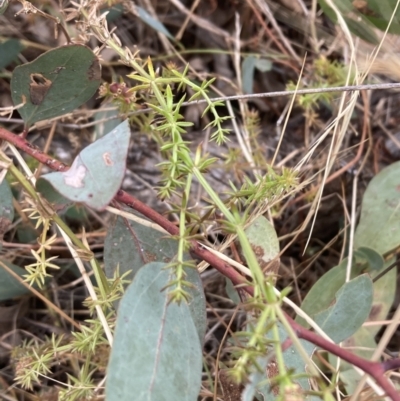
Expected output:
(130, 245)
(264, 241)
(157, 353)
(97, 172)
(56, 83)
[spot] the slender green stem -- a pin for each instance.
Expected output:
(296, 342)
(23, 181)
(284, 378)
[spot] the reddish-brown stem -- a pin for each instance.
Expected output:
(374, 369)
(196, 248)
(135, 204)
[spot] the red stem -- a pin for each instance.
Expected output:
(374, 369)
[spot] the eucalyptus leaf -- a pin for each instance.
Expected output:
(265, 244)
(259, 381)
(350, 309)
(3, 6)
(97, 172)
(361, 343)
(56, 83)
(114, 12)
(248, 66)
(9, 286)
(373, 259)
(59, 203)
(379, 226)
(384, 295)
(129, 245)
(380, 14)
(153, 23)
(231, 291)
(263, 65)
(6, 208)
(9, 51)
(103, 127)
(357, 22)
(323, 293)
(157, 354)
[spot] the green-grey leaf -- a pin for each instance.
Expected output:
(152, 22)
(323, 292)
(130, 245)
(97, 172)
(263, 65)
(379, 226)
(6, 208)
(358, 26)
(114, 12)
(383, 10)
(352, 305)
(384, 294)
(361, 343)
(258, 383)
(3, 6)
(56, 83)
(264, 241)
(9, 286)
(59, 202)
(374, 259)
(156, 354)
(248, 66)
(102, 127)
(231, 291)
(9, 51)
